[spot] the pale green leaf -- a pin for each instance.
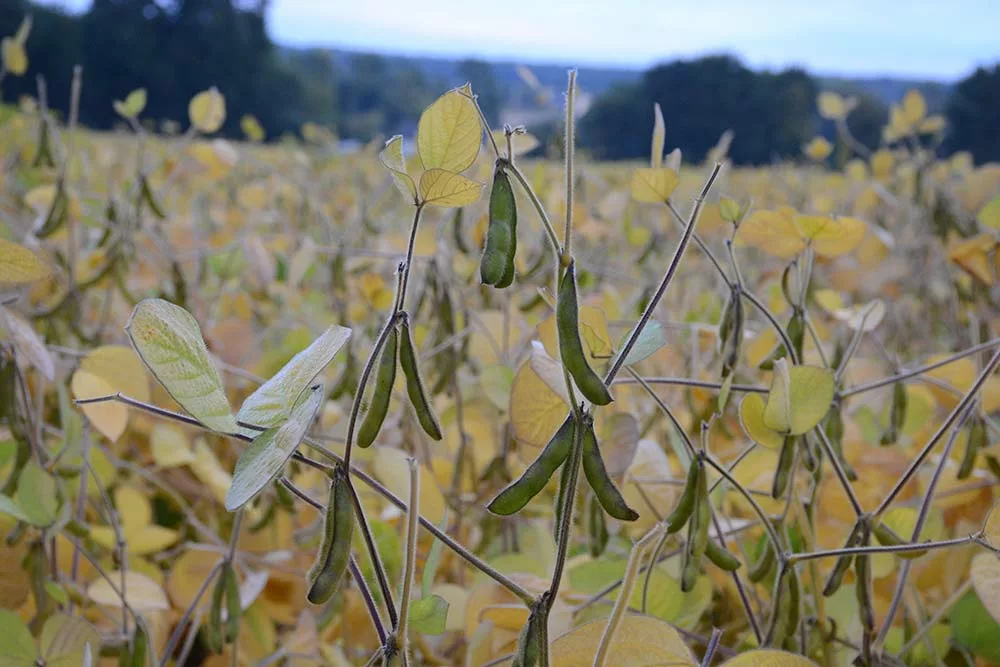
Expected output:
(428, 615)
(392, 158)
(272, 403)
(650, 340)
(169, 341)
(19, 265)
(36, 495)
(18, 646)
(264, 459)
(752, 419)
(133, 104)
(64, 638)
(800, 396)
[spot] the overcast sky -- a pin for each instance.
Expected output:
(923, 38)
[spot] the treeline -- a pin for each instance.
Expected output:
(177, 48)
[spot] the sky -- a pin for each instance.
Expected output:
(913, 38)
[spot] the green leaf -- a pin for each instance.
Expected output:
(800, 396)
(650, 340)
(974, 629)
(37, 495)
(18, 646)
(133, 104)
(169, 342)
(266, 456)
(272, 403)
(64, 639)
(428, 615)
(56, 592)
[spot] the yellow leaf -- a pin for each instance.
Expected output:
(989, 216)
(883, 162)
(252, 128)
(207, 110)
(654, 185)
(392, 468)
(973, 256)
(15, 60)
(659, 136)
(991, 528)
(593, 332)
(985, 574)
(752, 419)
(914, 107)
(449, 133)
(799, 398)
(121, 368)
(536, 411)
(902, 521)
(774, 232)
(186, 574)
(141, 592)
(640, 640)
(444, 188)
(641, 486)
(831, 106)
(207, 468)
(19, 265)
(768, 658)
(818, 149)
(169, 446)
(109, 418)
(831, 237)
(140, 533)
(392, 158)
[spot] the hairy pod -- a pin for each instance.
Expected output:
(721, 556)
(517, 494)
(571, 347)
(863, 590)
(731, 333)
(897, 415)
(497, 265)
(529, 643)
(685, 505)
(385, 377)
(415, 384)
(786, 456)
(334, 554)
(600, 481)
(977, 440)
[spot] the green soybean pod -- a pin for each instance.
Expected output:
(977, 440)
(385, 377)
(597, 528)
(685, 505)
(213, 629)
(721, 556)
(758, 571)
(415, 384)
(786, 456)
(335, 550)
(571, 347)
(528, 652)
(600, 481)
(561, 495)
(517, 494)
(863, 590)
(697, 538)
(140, 647)
(497, 265)
(234, 610)
(842, 565)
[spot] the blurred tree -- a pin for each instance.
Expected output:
(972, 115)
(480, 74)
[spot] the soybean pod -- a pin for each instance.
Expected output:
(497, 265)
(597, 528)
(234, 609)
(335, 550)
(600, 481)
(682, 511)
(517, 494)
(529, 643)
(977, 440)
(213, 629)
(721, 556)
(842, 565)
(415, 384)
(786, 456)
(385, 377)
(759, 571)
(697, 537)
(571, 347)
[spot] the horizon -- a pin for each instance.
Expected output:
(910, 40)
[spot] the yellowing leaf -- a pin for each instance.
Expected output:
(831, 106)
(536, 411)
(799, 398)
(109, 417)
(140, 533)
(752, 419)
(640, 640)
(991, 528)
(768, 658)
(15, 60)
(831, 237)
(207, 110)
(818, 149)
(914, 107)
(392, 468)
(207, 468)
(392, 158)
(593, 333)
(659, 136)
(654, 185)
(18, 265)
(141, 592)
(169, 445)
(444, 188)
(266, 456)
(272, 402)
(774, 232)
(252, 128)
(169, 341)
(64, 640)
(133, 104)
(186, 574)
(985, 574)
(989, 216)
(449, 133)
